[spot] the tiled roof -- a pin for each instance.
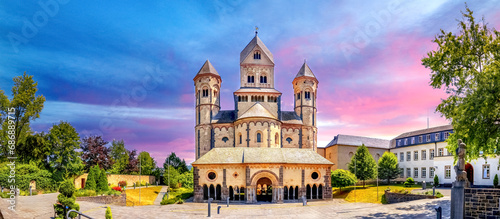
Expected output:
(255, 42)
(261, 155)
(257, 110)
(358, 141)
(207, 68)
(224, 116)
(425, 131)
(290, 117)
(305, 71)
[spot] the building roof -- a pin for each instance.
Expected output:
(255, 42)
(290, 117)
(207, 68)
(425, 131)
(305, 71)
(358, 141)
(224, 116)
(257, 110)
(257, 90)
(240, 155)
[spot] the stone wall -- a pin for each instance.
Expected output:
(113, 179)
(392, 197)
(482, 203)
(106, 199)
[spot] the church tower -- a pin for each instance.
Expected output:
(305, 86)
(207, 90)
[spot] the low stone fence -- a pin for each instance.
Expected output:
(392, 197)
(106, 199)
(482, 203)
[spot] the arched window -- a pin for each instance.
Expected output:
(298, 96)
(205, 192)
(289, 140)
(263, 79)
(240, 138)
(259, 137)
(320, 191)
(205, 93)
(256, 55)
(225, 139)
(307, 95)
(251, 79)
(285, 192)
(308, 191)
(276, 138)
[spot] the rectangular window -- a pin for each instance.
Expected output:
(486, 171)
(431, 151)
(415, 172)
(298, 96)
(440, 152)
(420, 139)
(406, 141)
(415, 155)
(399, 142)
(447, 172)
(408, 172)
(431, 172)
(307, 95)
(412, 140)
(401, 157)
(436, 137)
(424, 172)
(408, 156)
(402, 174)
(424, 154)
(428, 137)
(446, 135)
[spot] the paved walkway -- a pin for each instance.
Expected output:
(159, 198)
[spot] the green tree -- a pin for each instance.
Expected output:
(24, 174)
(186, 179)
(495, 181)
(66, 200)
(147, 163)
(436, 181)
(467, 65)
(35, 148)
(171, 175)
(108, 213)
(342, 178)
(91, 183)
(102, 183)
(157, 172)
(26, 107)
(65, 160)
(176, 162)
(388, 167)
(363, 165)
(120, 156)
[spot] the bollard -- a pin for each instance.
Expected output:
(439, 211)
(434, 191)
(424, 185)
(218, 209)
(30, 191)
(147, 185)
(209, 202)
(304, 201)
(227, 201)
(134, 185)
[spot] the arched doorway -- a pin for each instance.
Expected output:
(264, 190)
(470, 173)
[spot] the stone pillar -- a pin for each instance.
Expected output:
(225, 190)
(302, 189)
(248, 182)
(327, 189)
(280, 180)
(461, 182)
(198, 190)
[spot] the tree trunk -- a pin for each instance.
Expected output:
(388, 181)
(363, 184)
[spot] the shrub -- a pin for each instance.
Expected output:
(66, 200)
(108, 213)
(383, 200)
(85, 193)
(91, 183)
(117, 188)
(102, 183)
(342, 178)
(436, 180)
(409, 182)
(122, 183)
(495, 181)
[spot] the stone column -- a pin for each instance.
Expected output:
(225, 190)
(198, 190)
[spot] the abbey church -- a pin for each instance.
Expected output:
(257, 152)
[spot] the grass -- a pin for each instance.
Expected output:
(148, 196)
(177, 196)
(367, 194)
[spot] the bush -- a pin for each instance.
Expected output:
(438, 194)
(26, 173)
(117, 188)
(495, 181)
(91, 183)
(85, 193)
(122, 183)
(436, 180)
(383, 200)
(66, 200)
(342, 178)
(409, 182)
(102, 183)
(108, 213)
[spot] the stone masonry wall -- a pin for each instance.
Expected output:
(482, 203)
(398, 197)
(107, 199)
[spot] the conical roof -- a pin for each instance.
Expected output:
(305, 71)
(207, 68)
(251, 45)
(257, 110)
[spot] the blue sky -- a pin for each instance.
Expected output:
(124, 69)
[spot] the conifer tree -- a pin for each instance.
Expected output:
(363, 165)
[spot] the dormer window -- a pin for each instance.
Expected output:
(251, 79)
(256, 55)
(263, 79)
(205, 93)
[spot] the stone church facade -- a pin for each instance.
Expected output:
(257, 152)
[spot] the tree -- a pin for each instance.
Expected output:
(342, 178)
(171, 176)
(120, 156)
(108, 213)
(92, 178)
(94, 151)
(147, 163)
(157, 172)
(36, 148)
(102, 183)
(65, 160)
(467, 65)
(66, 200)
(186, 179)
(436, 181)
(26, 105)
(495, 181)
(132, 166)
(175, 162)
(363, 165)
(388, 167)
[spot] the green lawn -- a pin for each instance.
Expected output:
(367, 194)
(177, 196)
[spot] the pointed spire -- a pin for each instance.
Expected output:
(305, 71)
(207, 68)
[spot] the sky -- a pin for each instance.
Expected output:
(125, 69)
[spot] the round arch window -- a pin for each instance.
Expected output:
(212, 175)
(315, 175)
